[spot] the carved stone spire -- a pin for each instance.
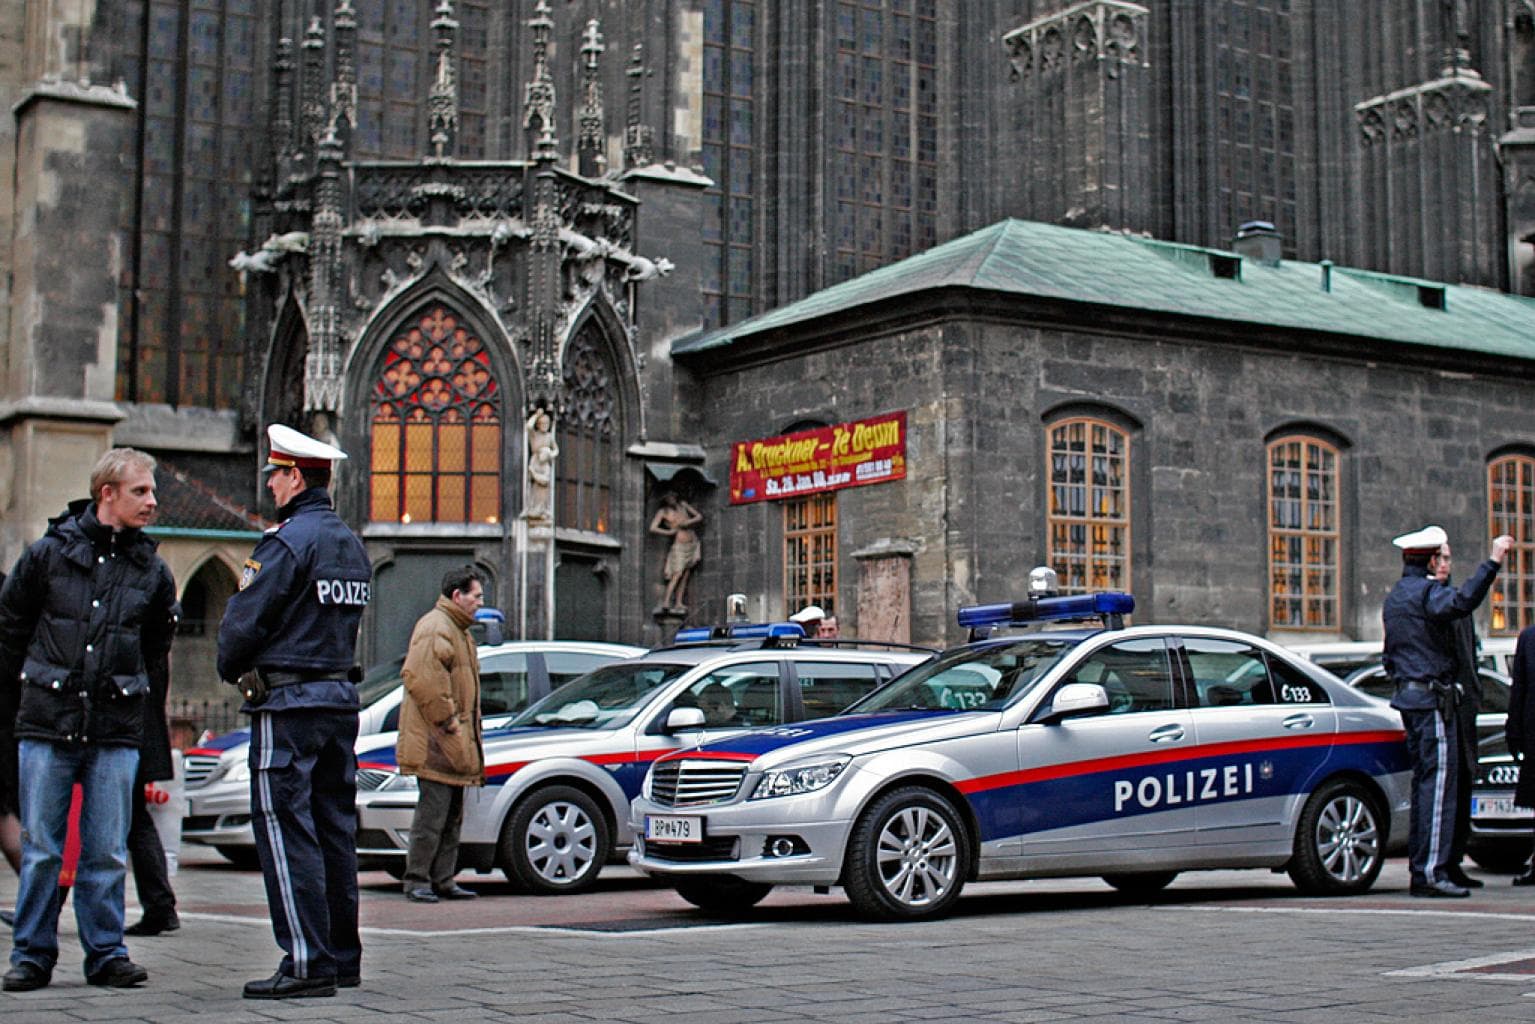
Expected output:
(538, 96)
(1457, 38)
(343, 90)
(591, 142)
(638, 137)
(282, 103)
(322, 370)
(312, 102)
(442, 103)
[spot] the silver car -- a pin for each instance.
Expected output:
(1128, 753)
(559, 777)
(512, 674)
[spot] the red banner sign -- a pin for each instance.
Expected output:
(871, 451)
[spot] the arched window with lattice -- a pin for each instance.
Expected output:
(588, 436)
(1511, 510)
(1089, 505)
(1303, 534)
(436, 426)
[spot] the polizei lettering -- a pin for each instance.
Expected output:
(1193, 786)
(355, 592)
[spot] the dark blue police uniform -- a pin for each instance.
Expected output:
(295, 618)
(1419, 616)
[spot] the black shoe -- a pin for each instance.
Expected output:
(25, 977)
(119, 972)
(1458, 875)
(348, 980)
(1439, 889)
(457, 892)
(154, 925)
(421, 894)
(1528, 878)
(285, 986)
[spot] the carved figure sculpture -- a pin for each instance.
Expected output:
(541, 455)
(676, 519)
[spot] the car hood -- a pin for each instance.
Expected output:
(219, 744)
(503, 746)
(843, 734)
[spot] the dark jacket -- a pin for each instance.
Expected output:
(1419, 616)
(84, 610)
(1520, 727)
(155, 762)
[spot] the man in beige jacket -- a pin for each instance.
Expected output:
(440, 742)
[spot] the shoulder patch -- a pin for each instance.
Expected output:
(252, 567)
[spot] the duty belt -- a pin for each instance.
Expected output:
(282, 677)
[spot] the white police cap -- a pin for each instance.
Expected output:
(809, 613)
(1430, 538)
(290, 448)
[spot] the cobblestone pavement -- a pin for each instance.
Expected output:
(1227, 946)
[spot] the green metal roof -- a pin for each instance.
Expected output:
(1027, 258)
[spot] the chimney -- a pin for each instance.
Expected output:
(1259, 242)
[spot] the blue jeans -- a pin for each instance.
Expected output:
(48, 774)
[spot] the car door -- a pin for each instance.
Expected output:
(1262, 729)
(825, 688)
(1106, 785)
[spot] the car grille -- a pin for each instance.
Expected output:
(369, 779)
(716, 848)
(199, 769)
(686, 783)
(1501, 775)
(199, 822)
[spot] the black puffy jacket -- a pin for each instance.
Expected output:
(80, 614)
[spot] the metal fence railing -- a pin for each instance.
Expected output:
(190, 720)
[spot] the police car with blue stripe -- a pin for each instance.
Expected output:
(1091, 748)
(559, 777)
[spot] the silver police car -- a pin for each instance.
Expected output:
(1128, 753)
(559, 777)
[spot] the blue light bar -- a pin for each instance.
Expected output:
(489, 615)
(1075, 606)
(740, 631)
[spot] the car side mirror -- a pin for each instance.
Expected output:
(684, 719)
(1075, 699)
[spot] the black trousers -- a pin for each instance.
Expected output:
(432, 858)
(147, 855)
(304, 813)
(1432, 749)
(1466, 737)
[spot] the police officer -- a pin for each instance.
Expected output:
(1419, 616)
(289, 637)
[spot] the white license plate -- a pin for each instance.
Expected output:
(1497, 807)
(674, 828)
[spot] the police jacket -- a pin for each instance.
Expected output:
(300, 601)
(1419, 616)
(83, 612)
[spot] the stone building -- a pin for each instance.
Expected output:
(414, 225)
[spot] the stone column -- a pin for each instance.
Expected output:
(884, 590)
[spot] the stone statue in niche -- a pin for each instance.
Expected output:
(542, 452)
(676, 519)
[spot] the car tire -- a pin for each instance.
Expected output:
(907, 856)
(721, 894)
(1339, 842)
(1141, 883)
(241, 856)
(555, 841)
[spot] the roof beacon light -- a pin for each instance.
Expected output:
(1043, 582)
(780, 631)
(1106, 604)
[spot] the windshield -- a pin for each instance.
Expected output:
(379, 680)
(969, 679)
(605, 699)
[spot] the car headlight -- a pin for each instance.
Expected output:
(398, 782)
(800, 778)
(238, 771)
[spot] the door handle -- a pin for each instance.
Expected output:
(1300, 721)
(1166, 733)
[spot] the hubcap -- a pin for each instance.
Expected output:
(1347, 841)
(917, 856)
(561, 842)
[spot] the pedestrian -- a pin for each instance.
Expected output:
(151, 874)
(828, 629)
(440, 740)
(85, 610)
(288, 640)
(809, 619)
(1469, 682)
(1418, 615)
(1520, 728)
(10, 799)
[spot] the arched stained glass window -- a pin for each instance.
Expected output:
(436, 416)
(1089, 518)
(587, 437)
(1511, 508)
(1303, 534)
